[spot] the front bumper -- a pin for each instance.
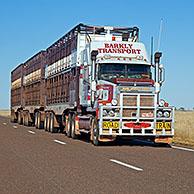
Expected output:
(151, 123)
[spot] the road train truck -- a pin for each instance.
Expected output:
(95, 80)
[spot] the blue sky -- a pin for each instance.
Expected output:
(29, 26)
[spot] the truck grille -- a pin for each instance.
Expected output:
(147, 101)
(139, 105)
(132, 100)
(129, 100)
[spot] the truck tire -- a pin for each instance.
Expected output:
(52, 128)
(35, 120)
(26, 120)
(69, 126)
(48, 122)
(19, 118)
(95, 132)
(45, 121)
(39, 123)
(12, 117)
(73, 135)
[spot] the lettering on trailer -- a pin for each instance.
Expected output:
(119, 48)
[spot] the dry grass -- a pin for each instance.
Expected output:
(5, 113)
(184, 127)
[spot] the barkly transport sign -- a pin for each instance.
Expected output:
(123, 51)
(119, 48)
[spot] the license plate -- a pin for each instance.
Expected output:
(110, 124)
(163, 125)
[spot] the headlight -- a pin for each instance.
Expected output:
(105, 113)
(167, 114)
(117, 112)
(159, 114)
(114, 102)
(111, 113)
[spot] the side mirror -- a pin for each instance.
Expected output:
(161, 74)
(157, 57)
(94, 53)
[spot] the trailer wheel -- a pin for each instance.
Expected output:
(38, 120)
(69, 126)
(12, 117)
(18, 121)
(26, 120)
(19, 118)
(39, 124)
(73, 135)
(95, 132)
(45, 121)
(48, 122)
(52, 128)
(35, 120)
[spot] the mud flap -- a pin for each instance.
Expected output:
(107, 138)
(167, 140)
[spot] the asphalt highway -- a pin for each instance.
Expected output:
(35, 161)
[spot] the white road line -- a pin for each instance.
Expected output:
(126, 165)
(61, 142)
(181, 148)
(15, 127)
(32, 132)
(4, 123)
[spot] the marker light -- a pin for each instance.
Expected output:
(111, 113)
(114, 102)
(161, 103)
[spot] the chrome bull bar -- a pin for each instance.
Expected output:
(136, 117)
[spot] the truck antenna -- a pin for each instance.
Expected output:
(152, 50)
(160, 33)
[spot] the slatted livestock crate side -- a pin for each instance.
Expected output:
(16, 92)
(34, 88)
(34, 70)
(62, 80)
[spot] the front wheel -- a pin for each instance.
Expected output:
(95, 132)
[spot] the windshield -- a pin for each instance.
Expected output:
(110, 71)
